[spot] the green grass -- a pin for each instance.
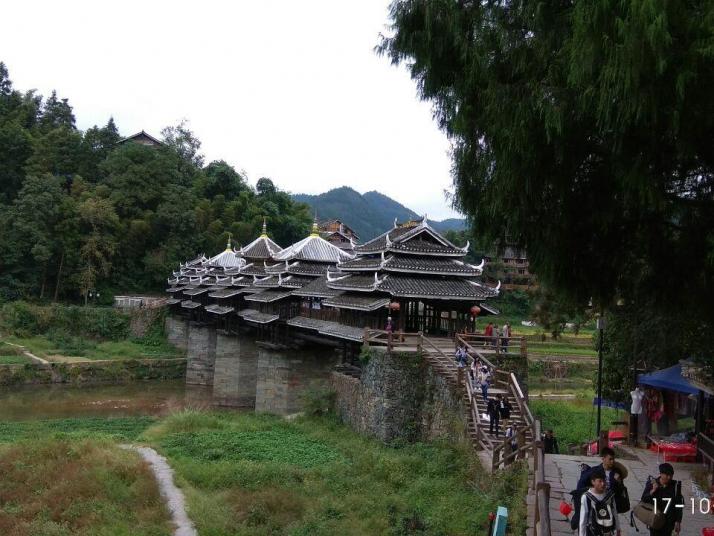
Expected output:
(573, 421)
(14, 360)
(246, 474)
(253, 475)
(560, 349)
(86, 487)
(43, 347)
(121, 429)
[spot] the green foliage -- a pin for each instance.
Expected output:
(366, 354)
(82, 212)
(583, 132)
(318, 399)
(257, 474)
(23, 319)
(120, 428)
(574, 421)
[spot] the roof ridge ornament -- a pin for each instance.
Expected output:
(465, 249)
(388, 242)
(498, 287)
(395, 223)
(228, 245)
(330, 279)
(264, 234)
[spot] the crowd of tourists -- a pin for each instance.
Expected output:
(601, 494)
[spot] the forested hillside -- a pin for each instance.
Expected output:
(369, 214)
(81, 211)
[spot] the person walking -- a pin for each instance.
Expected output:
(493, 415)
(505, 334)
(389, 328)
(483, 380)
(598, 515)
(488, 333)
(550, 443)
(665, 494)
(461, 356)
(504, 409)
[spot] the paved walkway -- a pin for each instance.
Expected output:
(173, 496)
(562, 472)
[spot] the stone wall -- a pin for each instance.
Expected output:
(93, 372)
(235, 374)
(201, 354)
(399, 397)
(177, 331)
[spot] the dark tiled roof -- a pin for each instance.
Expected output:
(418, 246)
(411, 264)
(325, 327)
(226, 293)
(269, 295)
(362, 283)
(411, 240)
(188, 304)
(359, 302)
(172, 301)
(308, 268)
(313, 248)
(195, 291)
(267, 282)
(260, 248)
(251, 315)
(295, 281)
(317, 288)
(437, 288)
(218, 309)
(257, 269)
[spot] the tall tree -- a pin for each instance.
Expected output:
(583, 131)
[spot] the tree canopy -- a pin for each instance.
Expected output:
(585, 132)
(81, 211)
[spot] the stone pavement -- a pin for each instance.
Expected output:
(562, 472)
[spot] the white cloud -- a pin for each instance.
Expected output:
(285, 89)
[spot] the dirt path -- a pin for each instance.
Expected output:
(173, 496)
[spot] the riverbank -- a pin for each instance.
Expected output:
(261, 474)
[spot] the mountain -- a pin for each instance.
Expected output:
(369, 214)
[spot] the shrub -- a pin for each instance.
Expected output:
(318, 399)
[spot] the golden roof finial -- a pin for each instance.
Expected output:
(228, 246)
(264, 234)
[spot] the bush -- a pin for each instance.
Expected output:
(24, 320)
(318, 399)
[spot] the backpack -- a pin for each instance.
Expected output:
(601, 515)
(577, 494)
(622, 499)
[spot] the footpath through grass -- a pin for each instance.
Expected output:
(246, 474)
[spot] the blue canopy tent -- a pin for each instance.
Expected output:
(670, 378)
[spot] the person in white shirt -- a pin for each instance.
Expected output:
(598, 515)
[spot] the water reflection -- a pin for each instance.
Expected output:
(153, 398)
(268, 380)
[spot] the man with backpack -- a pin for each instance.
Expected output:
(615, 475)
(598, 515)
(666, 495)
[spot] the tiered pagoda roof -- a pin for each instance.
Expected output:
(410, 261)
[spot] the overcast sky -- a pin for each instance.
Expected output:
(291, 90)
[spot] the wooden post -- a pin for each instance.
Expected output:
(524, 348)
(420, 341)
(365, 338)
(389, 341)
(603, 441)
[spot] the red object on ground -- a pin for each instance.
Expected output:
(566, 509)
(708, 531)
(675, 452)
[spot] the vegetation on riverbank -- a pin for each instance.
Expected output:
(258, 474)
(67, 334)
(83, 487)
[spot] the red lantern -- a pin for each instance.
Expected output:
(394, 306)
(565, 508)
(475, 310)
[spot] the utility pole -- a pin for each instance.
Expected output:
(601, 329)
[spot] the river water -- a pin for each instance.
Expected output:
(151, 398)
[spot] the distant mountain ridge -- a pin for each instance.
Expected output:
(369, 214)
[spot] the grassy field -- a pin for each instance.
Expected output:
(573, 421)
(86, 349)
(85, 487)
(246, 474)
